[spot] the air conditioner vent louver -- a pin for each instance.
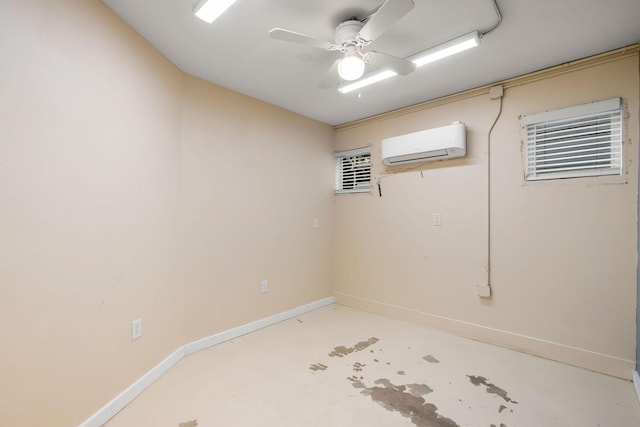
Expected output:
(447, 142)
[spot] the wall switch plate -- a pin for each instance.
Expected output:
(136, 329)
(316, 223)
(436, 219)
(264, 286)
(484, 291)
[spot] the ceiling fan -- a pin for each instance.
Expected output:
(351, 36)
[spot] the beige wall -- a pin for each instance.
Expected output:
(563, 253)
(254, 178)
(128, 189)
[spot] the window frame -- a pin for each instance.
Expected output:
(359, 184)
(609, 110)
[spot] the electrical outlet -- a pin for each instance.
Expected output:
(436, 219)
(264, 286)
(136, 329)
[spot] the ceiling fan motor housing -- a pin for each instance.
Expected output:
(347, 33)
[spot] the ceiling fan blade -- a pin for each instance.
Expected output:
(387, 15)
(331, 79)
(293, 37)
(399, 65)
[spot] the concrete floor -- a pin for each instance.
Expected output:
(341, 367)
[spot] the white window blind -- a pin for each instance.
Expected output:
(353, 171)
(584, 140)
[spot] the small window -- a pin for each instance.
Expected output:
(353, 171)
(585, 140)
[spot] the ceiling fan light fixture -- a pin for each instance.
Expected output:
(449, 48)
(351, 67)
(210, 10)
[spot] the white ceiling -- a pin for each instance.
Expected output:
(237, 53)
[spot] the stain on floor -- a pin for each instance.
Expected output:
(357, 367)
(192, 423)
(491, 388)
(429, 358)
(408, 400)
(342, 351)
(318, 367)
(356, 382)
(419, 389)
(409, 404)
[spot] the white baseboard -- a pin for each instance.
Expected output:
(109, 410)
(598, 362)
(636, 383)
(254, 326)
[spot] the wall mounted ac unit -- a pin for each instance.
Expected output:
(447, 142)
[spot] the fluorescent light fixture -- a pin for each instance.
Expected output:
(210, 10)
(374, 78)
(449, 48)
